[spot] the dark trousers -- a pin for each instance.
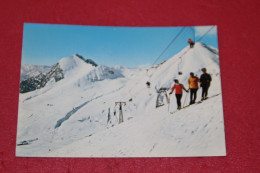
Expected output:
(193, 95)
(205, 89)
(191, 45)
(178, 98)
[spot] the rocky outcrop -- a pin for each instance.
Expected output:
(39, 81)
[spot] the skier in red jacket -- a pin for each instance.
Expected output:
(178, 92)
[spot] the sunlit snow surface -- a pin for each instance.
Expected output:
(69, 118)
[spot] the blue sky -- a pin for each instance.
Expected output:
(46, 44)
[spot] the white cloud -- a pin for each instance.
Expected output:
(201, 30)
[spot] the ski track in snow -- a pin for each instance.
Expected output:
(74, 110)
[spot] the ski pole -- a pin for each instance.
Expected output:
(185, 98)
(169, 102)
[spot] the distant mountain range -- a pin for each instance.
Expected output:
(28, 71)
(36, 76)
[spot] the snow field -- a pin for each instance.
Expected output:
(70, 117)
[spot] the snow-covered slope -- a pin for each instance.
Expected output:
(188, 60)
(189, 132)
(77, 116)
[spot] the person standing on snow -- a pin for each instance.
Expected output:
(191, 43)
(205, 80)
(178, 92)
(193, 86)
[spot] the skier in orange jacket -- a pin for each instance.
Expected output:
(178, 92)
(193, 86)
(191, 43)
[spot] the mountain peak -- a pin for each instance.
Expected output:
(186, 61)
(78, 56)
(89, 61)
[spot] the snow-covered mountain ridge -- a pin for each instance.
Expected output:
(77, 116)
(73, 66)
(29, 70)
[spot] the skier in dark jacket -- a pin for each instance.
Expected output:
(205, 80)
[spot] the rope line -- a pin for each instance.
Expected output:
(197, 41)
(205, 33)
(172, 43)
(193, 32)
(180, 57)
(169, 45)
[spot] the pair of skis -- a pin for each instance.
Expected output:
(195, 103)
(177, 109)
(185, 107)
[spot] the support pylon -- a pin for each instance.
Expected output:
(121, 118)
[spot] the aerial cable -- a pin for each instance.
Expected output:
(205, 33)
(173, 40)
(169, 45)
(177, 37)
(189, 48)
(193, 32)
